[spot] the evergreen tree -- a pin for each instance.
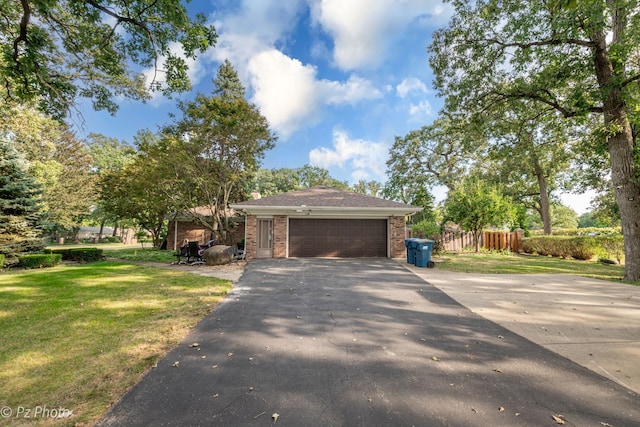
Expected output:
(227, 83)
(20, 208)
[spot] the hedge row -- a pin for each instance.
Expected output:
(589, 231)
(39, 260)
(577, 247)
(78, 254)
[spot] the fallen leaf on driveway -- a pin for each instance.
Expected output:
(498, 370)
(435, 358)
(501, 409)
(558, 419)
(175, 364)
(195, 344)
(274, 417)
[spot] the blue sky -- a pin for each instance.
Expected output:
(337, 79)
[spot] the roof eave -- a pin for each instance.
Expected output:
(317, 211)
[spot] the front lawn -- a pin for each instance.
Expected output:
(467, 262)
(78, 336)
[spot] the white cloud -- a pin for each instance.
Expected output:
(253, 27)
(420, 111)
(366, 159)
(352, 91)
(284, 90)
(288, 93)
(410, 84)
(363, 30)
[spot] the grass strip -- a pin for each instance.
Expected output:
(499, 263)
(78, 336)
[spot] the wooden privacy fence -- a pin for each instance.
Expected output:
(491, 240)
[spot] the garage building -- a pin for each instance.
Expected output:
(324, 222)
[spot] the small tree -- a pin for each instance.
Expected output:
(217, 147)
(20, 207)
(474, 205)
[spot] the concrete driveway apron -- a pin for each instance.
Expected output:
(362, 343)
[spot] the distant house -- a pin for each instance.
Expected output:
(324, 222)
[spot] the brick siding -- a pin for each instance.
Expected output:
(397, 235)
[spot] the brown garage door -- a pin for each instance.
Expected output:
(342, 238)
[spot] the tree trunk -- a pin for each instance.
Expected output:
(625, 182)
(545, 206)
(101, 230)
(624, 170)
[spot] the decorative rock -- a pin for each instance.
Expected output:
(219, 255)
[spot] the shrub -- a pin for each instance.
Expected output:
(577, 247)
(110, 239)
(611, 247)
(588, 231)
(429, 230)
(62, 252)
(78, 254)
(1, 260)
(39, 260)
(85, 254)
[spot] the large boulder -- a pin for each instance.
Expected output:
(219, 254)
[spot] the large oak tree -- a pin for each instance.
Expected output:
(579, 57)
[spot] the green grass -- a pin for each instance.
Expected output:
(495, 263)
(78, 336)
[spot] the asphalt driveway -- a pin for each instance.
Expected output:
(362, 342)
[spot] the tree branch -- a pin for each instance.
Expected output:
(549, 42)
(138, 23)
(24, 22)
(537, 97)
(630, 80)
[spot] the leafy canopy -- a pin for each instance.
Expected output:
(475, 204)
(57, 51)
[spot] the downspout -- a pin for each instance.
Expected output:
(175, 232)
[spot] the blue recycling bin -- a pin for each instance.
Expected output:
(411, 250)
(423, 249)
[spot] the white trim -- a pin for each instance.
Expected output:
(325, 212)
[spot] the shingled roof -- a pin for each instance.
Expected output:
(325, 197)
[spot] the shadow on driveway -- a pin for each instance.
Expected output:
(360, 343)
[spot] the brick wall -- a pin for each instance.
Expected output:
(251, 244)
(280, 236)
(187, 231)
(397, 235)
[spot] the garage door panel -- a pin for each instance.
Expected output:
(343, 238)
